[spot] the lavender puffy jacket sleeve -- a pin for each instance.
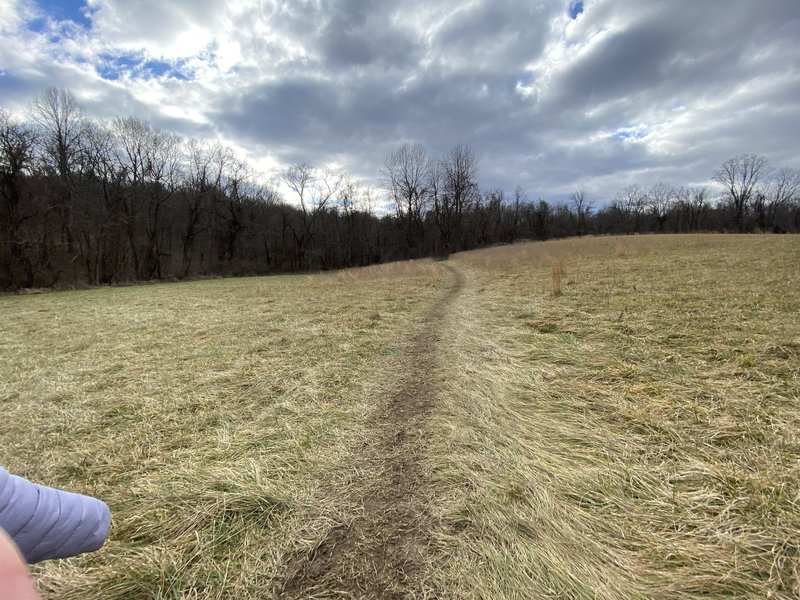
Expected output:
(48, 523)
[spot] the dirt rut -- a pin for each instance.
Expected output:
(381, 552)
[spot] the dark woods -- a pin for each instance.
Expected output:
(85, 202)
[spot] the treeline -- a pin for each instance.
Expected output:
(90, 202)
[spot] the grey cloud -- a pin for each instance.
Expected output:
(624, 64)
(360, 33)
(372, 111)
(344, 45)
(297, 111)
(18, 90)
(678, 44)
(502, 34)
(348, 79)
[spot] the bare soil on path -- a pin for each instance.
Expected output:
(380, 553)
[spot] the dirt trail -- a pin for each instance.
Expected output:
(381, 552)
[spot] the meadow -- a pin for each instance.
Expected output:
(611, 417)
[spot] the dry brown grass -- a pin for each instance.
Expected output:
(393, 270)
(209, 415)
(637, 437)
(556, 274)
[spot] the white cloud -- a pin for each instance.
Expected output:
(164, 29)
(11, 15)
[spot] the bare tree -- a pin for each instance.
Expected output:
(314, 190)
(693, 207)
(660, 200)
(759, 206)
(582, 206)
(740, 177)
(368, 200)
(17, 146)
(405, 175)
(488, 217)
(454, 185)
(238, 189)
(98, 215)
(520, 199)
(461, 176)
(539, 216)
(17, 143)
(782, 189)
(356, 206)
(61, 121)
(631, 201)
(152, 162)
(367, 204)
(206, 165)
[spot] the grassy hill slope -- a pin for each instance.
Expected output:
(602, 418)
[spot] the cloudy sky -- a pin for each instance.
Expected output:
(551, 94)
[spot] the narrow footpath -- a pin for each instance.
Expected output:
(380, 553)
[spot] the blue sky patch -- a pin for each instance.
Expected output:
(526, 79)
(114, 66)
(160, 68)
(64, 10)
(37, 25)
(575, 8)
(629, 133)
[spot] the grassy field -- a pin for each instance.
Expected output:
(208, 415)
(614, 418)
(636, 434)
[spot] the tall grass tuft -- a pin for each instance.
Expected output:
(391, 270)
(556, 274)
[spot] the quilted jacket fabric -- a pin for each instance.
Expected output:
(48, 523)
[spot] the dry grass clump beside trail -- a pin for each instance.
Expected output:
(393, 270)
(556, 275)
(209, 415)
(637, 436)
